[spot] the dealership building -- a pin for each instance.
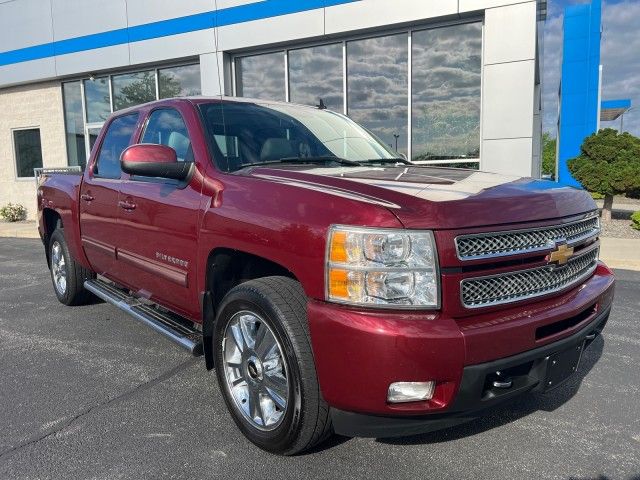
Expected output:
(453, 82)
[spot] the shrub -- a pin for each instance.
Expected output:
(635, 220)
(609, 164)
(13, 212)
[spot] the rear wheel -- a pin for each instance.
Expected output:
(67, 275)
(265, 366)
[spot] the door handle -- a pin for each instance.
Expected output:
(126, 205)
(87, 197)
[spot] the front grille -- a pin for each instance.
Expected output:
(514, 242)
(525, 284)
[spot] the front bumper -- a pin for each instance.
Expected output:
(359, 352)
(530, 373)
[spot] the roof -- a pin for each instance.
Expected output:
(612, 109)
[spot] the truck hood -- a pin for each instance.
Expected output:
(434, 197)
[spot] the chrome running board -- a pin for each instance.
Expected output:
(172, 326)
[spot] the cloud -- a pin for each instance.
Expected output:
(619, 56)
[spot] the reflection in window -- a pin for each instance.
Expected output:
(28, 151)
(74, 124)
(133, 89)
(93, 136)
(377, 87)
(179, 81)
(316, 73)
(446, 92)
(248, 133)
(117, 138)
(97, 99)
(261, 76)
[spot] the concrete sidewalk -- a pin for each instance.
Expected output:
(24, 229)
(620, 252)
(615, 252)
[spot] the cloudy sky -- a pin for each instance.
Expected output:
(620, 57)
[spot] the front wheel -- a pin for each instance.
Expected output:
(265, 366)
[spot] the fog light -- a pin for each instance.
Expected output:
(410, 391)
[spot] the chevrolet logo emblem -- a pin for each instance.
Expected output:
(561, 255)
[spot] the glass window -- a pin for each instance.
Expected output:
(377, 85)
(246, 133)
(93, 136)
(97, 99)
(261, 76)
(166, 127)
(446, 92)
(132, 89)
(74, 124)
(228, 144)
(316, 73)
(28, 151)
(117, 138)
(179, 81)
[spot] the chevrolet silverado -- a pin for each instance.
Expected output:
(334, 285)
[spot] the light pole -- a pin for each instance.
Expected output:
(396, 136)
(622, 120)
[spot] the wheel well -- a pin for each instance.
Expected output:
(52, 220)
(227, 268)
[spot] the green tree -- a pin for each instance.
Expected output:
(143, 90)
(609, 164)
(548, 155)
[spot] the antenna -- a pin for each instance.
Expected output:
(321, 105)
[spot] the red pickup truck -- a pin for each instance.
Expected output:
(334, 285)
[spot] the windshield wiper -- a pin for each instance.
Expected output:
(397, 160)
(305, 160)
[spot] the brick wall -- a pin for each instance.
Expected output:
(34, 105)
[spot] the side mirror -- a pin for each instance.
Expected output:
(150, 160)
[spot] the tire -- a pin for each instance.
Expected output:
(67, 275)
(280, 304)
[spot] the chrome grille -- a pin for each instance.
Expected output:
(514, 242)
(524, 284)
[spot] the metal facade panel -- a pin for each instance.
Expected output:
(140, 12)
(93, 60)
(25, 23)
(375, 13)
(35, 70)
(518, 24)
(70, 17)
(175, 47)
(281, 28)
(507, 104)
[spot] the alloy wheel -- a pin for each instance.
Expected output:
(255, 370)
(58, 268)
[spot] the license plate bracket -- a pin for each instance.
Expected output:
(561, 365)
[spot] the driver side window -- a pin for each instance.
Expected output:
(166, 127)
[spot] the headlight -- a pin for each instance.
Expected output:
(382, 267)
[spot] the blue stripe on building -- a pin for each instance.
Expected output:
(190, 23)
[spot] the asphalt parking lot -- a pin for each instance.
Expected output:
(88, 393)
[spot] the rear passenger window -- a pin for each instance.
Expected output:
(117, 138)
(166, 127)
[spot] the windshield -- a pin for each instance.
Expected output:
(248, 134)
